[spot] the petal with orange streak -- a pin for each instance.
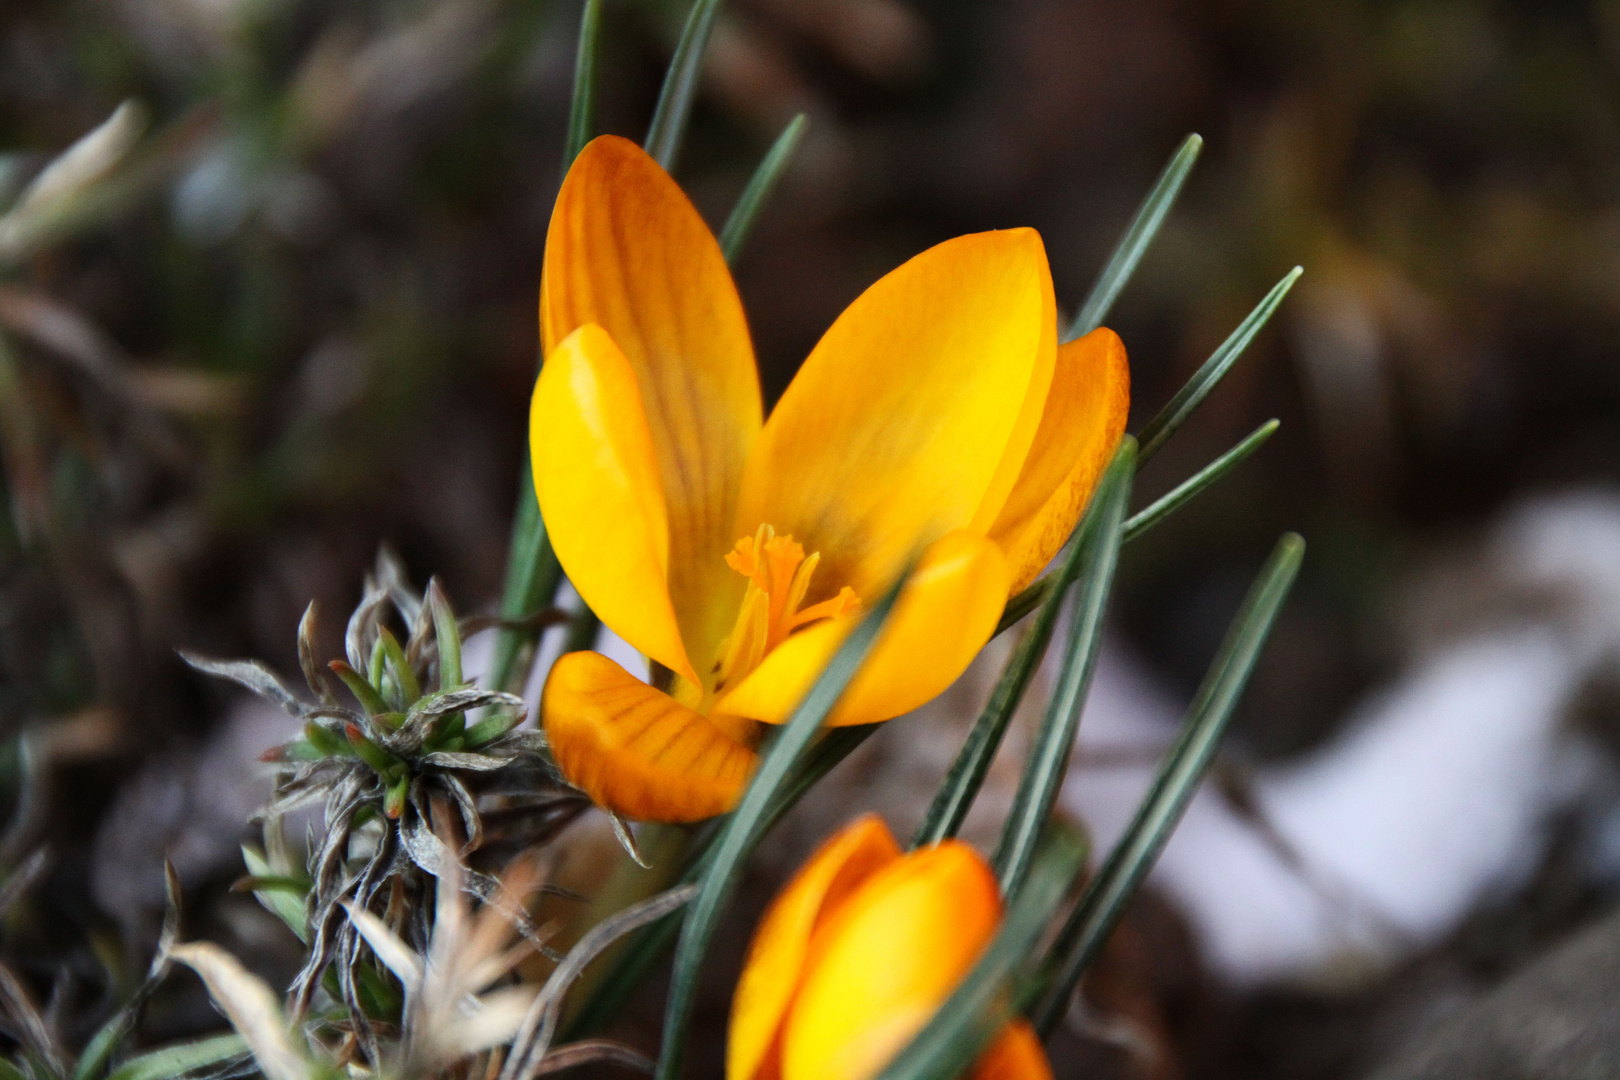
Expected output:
(1084, 419)
(634, 749)
(776, 957)
(628, 251)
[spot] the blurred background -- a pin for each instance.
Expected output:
(281, 309)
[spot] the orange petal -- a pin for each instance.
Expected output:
(636, 750)
(896, 429)
(886, 959)
(596, 477)
(777, 955)
(628, 251)
(945, 614)
(1082, 425)
(1016, 1054)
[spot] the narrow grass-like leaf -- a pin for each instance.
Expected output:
(532, 577)
(1149, 516)
(834, 746)
(172, 1061)
(746, 825)
(651, 943)
(112, 1034)
(99, 1050)
(111, 1037)
(534, 1036)
(961, 786)
(759, 188)
(582, 109)
(627, 970)
(532, 570)
(668, 127)
(994, 990)
(1049, 756)
(1104, 899)
(1205, 379)
(1139, 235)
(1035, 594)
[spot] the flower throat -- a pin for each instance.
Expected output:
(778, 573)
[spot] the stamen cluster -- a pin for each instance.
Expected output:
(778, 574)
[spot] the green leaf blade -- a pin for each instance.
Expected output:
(1194, 485)
(173, 1061)
(1207, 377)
(532, 576)
(961, 785)
(582, 107)
(1101, 905)
(746, 825)
(674, 109)
(1138, 237)
(1049, 756)
(653, 941)
(760, 185)
(1035, 594)
(532, 570)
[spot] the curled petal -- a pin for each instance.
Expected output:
(634, 749)
(946, 612)
(1082, 424)
(776, 958)
(596, 475)
(886, 959)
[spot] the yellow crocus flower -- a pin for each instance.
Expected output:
(855, 955)
(938, 415)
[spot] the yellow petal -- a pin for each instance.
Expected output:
(1032, 410)
(776, 958)
(636, 750)
(1016, 1054)
(628, 251)
(597, 481)
(894, 431)
(945, 613)
(1079, 430)
(886, 959)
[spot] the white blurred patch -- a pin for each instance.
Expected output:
(1436, 796)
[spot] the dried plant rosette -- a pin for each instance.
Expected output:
(416, 740)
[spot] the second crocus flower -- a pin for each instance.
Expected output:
(855, 955)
